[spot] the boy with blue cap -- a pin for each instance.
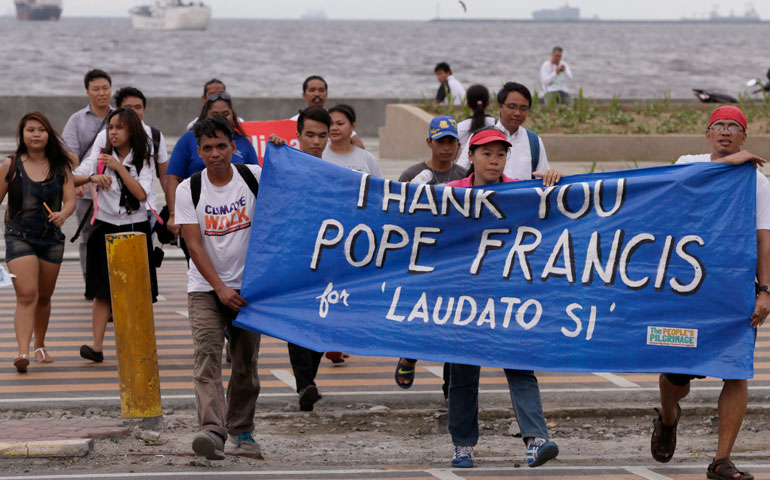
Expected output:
(444, 143)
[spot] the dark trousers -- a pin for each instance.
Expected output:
(304, 363)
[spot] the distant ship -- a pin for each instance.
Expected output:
(171, 15)
(750, 15)
(314, 15)
(561, 14)
(38, 9)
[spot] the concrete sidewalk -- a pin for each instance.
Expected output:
(360, 434)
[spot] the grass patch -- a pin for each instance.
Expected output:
(586, 116)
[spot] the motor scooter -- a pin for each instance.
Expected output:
(757, 82)
(710, 96)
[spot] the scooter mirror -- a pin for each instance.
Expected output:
(751, 82)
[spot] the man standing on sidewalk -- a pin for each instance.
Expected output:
(214, 209)
(313, 124)
(726, 133)
(554, 76)
(79, 134)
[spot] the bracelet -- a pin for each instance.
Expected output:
(90, 178)
(170, 213)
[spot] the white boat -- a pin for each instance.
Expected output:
(171, 15)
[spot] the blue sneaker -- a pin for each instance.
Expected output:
(463, 457)
(246, 442)
(540, 451)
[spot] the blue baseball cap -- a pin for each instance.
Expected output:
(442, 126)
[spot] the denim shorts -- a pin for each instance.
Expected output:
(20, 244)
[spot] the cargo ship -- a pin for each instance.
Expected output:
(171, 15)
(38, 9)
(561, 14)
(750, 15)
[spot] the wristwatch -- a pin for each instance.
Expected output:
(763, 288)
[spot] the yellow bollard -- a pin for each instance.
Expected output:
(134, 324)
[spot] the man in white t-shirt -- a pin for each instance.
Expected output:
(449, 86)
(215, 210)
(526, 157)
(726, 134)
(555, 75)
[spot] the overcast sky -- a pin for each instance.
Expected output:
(427, 9)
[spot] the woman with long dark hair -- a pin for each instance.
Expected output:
(123, 174)
(41, 195)
(477, 99)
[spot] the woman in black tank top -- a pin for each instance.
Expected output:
(41, 195)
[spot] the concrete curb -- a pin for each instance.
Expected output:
(53, 448)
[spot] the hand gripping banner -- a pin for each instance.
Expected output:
(646, 270)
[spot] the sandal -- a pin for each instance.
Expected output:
(44, 356)
(21, 363)
(404, 374)
(663, 442)
(724, 469)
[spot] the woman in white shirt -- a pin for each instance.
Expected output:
(123, 175)
(340, 150)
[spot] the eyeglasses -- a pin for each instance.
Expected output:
(218, 96)
(732, 128)
(514, 107)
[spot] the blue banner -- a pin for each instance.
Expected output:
(645, 270)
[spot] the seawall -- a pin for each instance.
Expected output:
(172, 114)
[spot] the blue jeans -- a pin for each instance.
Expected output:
(464, 404)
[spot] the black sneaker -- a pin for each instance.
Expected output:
(90, 354)
(308, 396)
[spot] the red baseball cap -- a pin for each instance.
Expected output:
(729, 112)
(489, 135)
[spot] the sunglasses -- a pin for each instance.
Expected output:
(218, 96)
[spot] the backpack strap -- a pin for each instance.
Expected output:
(8, 179)
(248, 177)
(534, 149)
(155, 146)
(11, 171)
(195, 188)
(243, 170)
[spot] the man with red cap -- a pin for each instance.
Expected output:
(726, 134)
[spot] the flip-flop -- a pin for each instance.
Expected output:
(404, 373)
(21, 363)
(335, 357)
(45, 356)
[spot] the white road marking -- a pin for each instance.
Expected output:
(646, 474)
(355, 393)
(437, 472)
(617, 379)
(285, 376)
(437, 371)
(183, 313)
(444, 474)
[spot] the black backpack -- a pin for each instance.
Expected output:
(243, 170)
